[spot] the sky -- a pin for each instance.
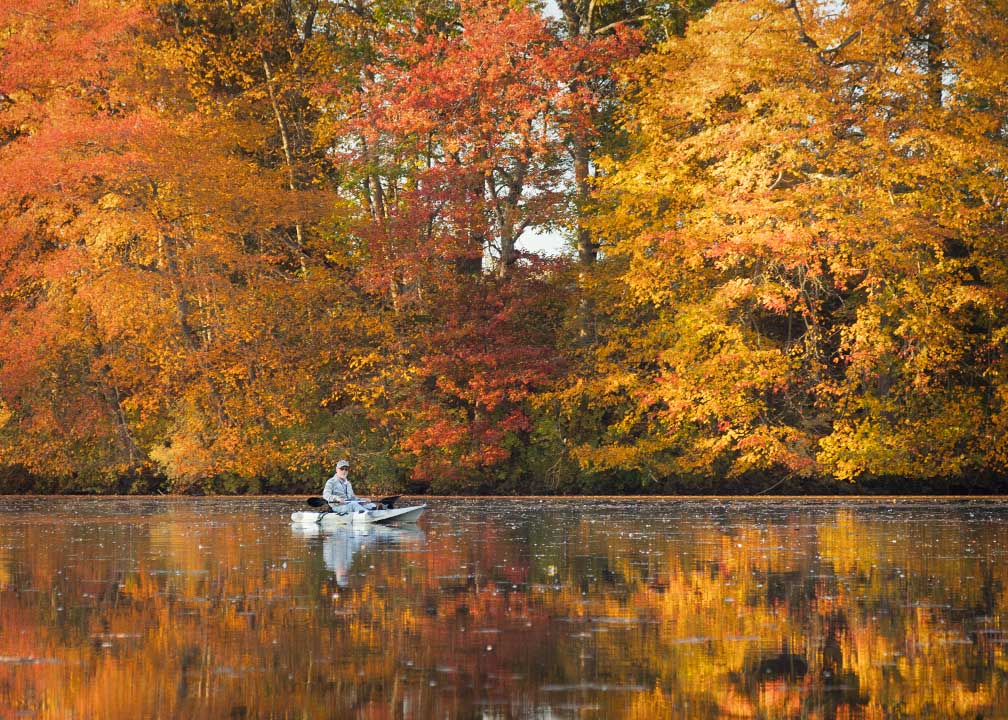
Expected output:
(544, 242)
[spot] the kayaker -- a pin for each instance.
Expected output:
(338, 489)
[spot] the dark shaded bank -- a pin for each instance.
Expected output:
(16, 480)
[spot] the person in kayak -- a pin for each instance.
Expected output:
(339, 490)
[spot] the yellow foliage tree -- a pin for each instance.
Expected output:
(804, 234)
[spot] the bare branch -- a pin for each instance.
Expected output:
(844, 43)
(614, 25)
(802, 35)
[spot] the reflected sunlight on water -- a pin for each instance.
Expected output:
(530, 608)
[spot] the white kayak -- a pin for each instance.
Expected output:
(403, 514)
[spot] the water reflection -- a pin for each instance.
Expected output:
(209, 608)
(341, 544)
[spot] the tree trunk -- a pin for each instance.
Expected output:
(288, 158)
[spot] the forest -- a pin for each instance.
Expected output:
(241, 239)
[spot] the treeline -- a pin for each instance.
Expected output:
(241, 239)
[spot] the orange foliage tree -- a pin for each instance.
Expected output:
(65, 126)
(170, 303)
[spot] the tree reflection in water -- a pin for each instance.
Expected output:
(211, 608)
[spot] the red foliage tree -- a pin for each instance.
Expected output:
(462, 143)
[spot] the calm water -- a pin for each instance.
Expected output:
(636, 608)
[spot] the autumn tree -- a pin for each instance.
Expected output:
(643, 23)
(238, 274)
(170, 302)
(65, 124)
(458, 148)
(805, 234)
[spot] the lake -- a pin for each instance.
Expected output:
(499, 608)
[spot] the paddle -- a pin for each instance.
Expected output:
(318, 502)
(326, 508)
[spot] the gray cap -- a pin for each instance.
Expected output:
(342, 464)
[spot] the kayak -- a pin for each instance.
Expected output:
(385, 533)
(403, 514)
